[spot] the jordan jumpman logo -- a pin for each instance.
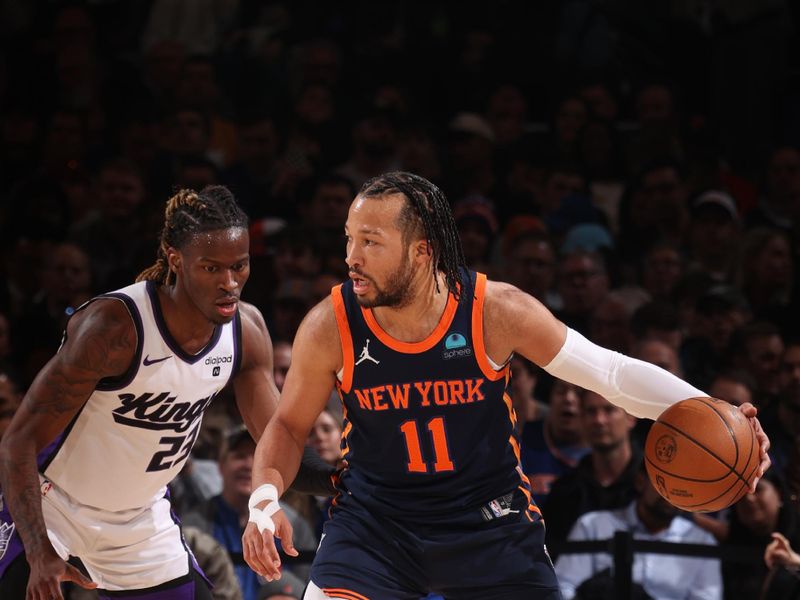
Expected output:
(365, 355)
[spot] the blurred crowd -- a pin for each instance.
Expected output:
(646, 190)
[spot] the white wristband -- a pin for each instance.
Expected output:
(263, 517)
(263, 492)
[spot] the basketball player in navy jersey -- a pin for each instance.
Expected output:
(433, 499)
(111, 419)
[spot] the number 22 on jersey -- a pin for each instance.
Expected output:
(438, 434)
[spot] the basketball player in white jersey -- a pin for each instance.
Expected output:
(111, 419)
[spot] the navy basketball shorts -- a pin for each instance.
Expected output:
(362, 555)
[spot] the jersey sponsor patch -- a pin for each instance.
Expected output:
(455, 346)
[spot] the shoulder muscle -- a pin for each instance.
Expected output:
(517, 322)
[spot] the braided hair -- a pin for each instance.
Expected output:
(187, 214)
(426, 212)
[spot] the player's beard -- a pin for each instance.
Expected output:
(396, 293)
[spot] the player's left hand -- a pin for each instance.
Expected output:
(750, 411)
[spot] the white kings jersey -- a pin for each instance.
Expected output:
(135, 432)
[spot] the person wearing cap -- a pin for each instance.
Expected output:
(477, 227)
(714, 234)
(470, 156)
(225, 516)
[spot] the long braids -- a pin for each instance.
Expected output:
(188, 213)
(426, 206)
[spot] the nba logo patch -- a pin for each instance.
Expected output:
(6, 532)
(215, 371)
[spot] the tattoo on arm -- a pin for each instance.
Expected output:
(102, 348)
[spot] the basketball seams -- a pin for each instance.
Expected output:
(727, 426)
(699, 445)
(739, 486)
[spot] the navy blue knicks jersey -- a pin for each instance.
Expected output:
(428, 426)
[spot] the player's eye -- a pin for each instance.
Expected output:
(210, 268)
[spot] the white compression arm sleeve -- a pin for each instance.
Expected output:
(642, 389)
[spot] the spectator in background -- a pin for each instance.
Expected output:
(780, 198)
(661, 268)
(418, 152)
(524, 379)
(552, 447)
(735, 386)
(477, 227)
(600, 153)
(610, 323)
(323, 205)
(582, 283)
(326, 437)
(288, 587)
(718, 313)
(198, 88)
(714, 235)
(648, 517)
(766, 276)
(655, 208)
(605, 478)
(196, 173)
(753, 520)
(569, 118)
(470, 156)
(66, 284)
(658, 320)
(530, 265)
(374, 147)
(253, 176)
(116, 237)
(756, 348)
(507, 114)
(225, 516)
(790, 364)
(659, 353)
(291, 304)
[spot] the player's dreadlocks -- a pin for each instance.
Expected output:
(187, 214)
(426, 208)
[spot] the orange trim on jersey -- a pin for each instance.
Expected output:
(345, 338)
(343, 593)
(413, 347)
(512, 415)
(477, 332)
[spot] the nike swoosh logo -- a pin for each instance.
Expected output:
(147, 362)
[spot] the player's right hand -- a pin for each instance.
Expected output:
(260, 551)
(47, 573)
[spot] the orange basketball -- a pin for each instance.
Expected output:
(701, 454)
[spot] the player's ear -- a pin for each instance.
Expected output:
(173, 259)
(423, 248)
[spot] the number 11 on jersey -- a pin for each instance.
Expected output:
(416, 464)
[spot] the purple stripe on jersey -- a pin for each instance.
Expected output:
(10, 544)
(184, 591)
(48, 452)
(193, 560)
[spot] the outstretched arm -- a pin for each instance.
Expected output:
(101, 343)
(316, 356)
(521, 324)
